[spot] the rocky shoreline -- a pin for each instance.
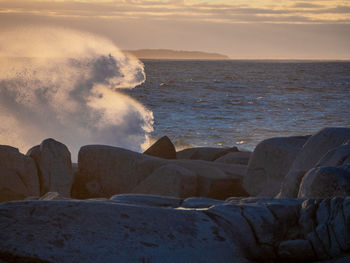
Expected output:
(288, 201)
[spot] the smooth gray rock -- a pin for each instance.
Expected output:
(269, 164)
(326, 182)
(105, 171)
(230, 218)
(200, 202)
(297, 249)
(147, 200)
(99, 231)
(54, 164)
(204, 153)
(313, 150)
(235, 158)
(163, 148)
(169, 180)
(18, 175)
(144, 228)
(336, 157)
(216, 180)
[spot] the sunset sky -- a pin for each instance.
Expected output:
(314, 29)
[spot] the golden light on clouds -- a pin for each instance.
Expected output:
(238, 28)
(230, 11)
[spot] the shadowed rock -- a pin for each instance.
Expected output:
(336, 157)
(105, 171)
(163, 148)
(142, 228)
(54, 164)
(326, 182)
(269, 164)
(235, 158)
(204, 153)
(99, 231)
(313, 150)
(169, 180)
(18, 175)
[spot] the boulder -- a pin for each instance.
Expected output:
(336, 157)
(18, 175)
(269, 164)
(146, 228)
(53, 161)
(169, 180)
(105, 171)
(312, 152)
(204, 153)
(326, 182)
(297, 250)
(147, 200)
(216, 180)
(100, 231)
(235, 158)
(163, 148)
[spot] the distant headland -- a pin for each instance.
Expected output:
(175, 54)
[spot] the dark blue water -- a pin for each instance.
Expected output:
(225, 103)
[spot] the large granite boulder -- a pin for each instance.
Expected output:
(169, 180)
(216, 180)
(54, 164)
(204, 153)
(18, 175)
(105, 171)
(163, 148)
(336, 157)
(235, 158)
(312, 152)
(326, 182)
(100, 231)
(269, 164)
(141, 228)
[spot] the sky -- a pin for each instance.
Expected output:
(254, 29)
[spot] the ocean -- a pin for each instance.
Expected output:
(240, 103)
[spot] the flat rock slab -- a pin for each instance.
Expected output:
(98, 231)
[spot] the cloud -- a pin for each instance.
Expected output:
(289, 11)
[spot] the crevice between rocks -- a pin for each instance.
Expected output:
(10, 257)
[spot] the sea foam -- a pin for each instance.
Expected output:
(63, 84)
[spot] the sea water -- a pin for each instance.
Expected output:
(227, 103)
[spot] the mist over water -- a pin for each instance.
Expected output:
(63, 84)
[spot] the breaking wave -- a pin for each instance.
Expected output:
(63, 84)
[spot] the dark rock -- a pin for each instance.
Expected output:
(204, 153)
(298, 250)
(269, 164)
(100, 231)
(18, 175)
(163, 148)
(147, 200)
(326, 182)
(313, 150)
(169, 180)
(105, 171)
(54, 164)
(336, 157)
(235, 158)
